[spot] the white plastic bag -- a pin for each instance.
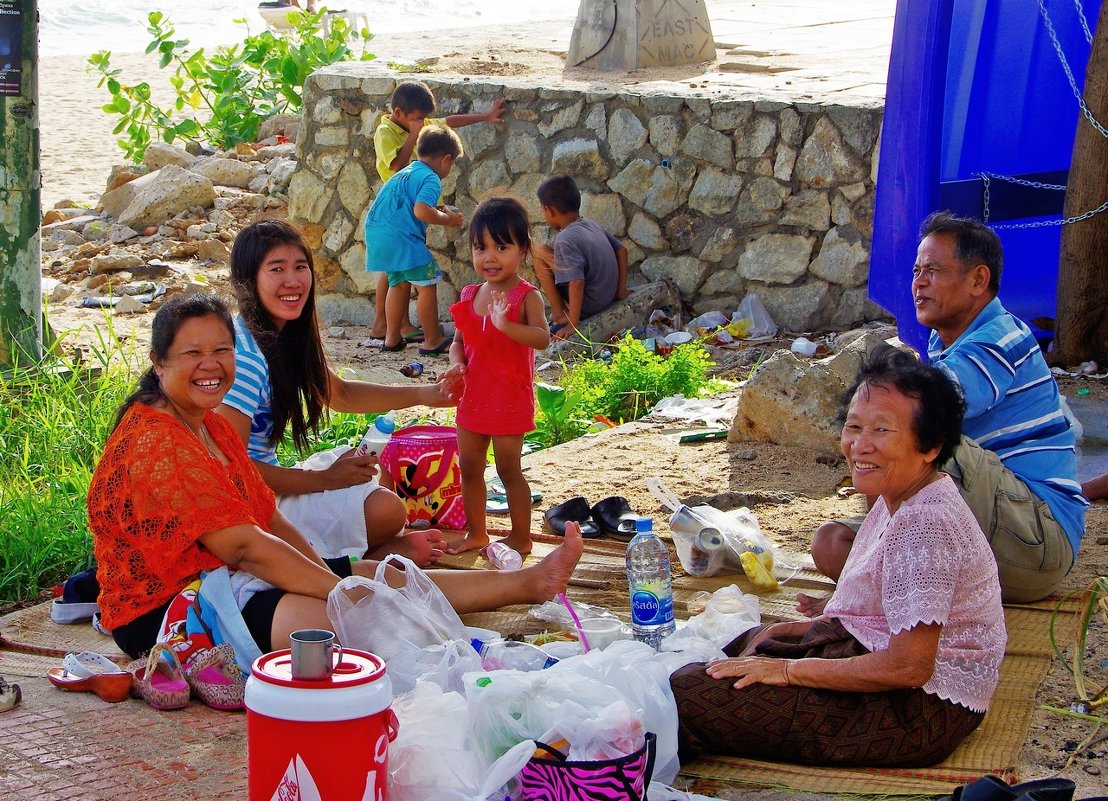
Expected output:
(761, 324)
(728, 613)
(433, 758)
(507, 706)
(740, 531)
(413, 627)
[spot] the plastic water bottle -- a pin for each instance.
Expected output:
(503, 557)
(377, 437)
(648, 581)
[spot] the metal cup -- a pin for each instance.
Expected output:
(312, 651)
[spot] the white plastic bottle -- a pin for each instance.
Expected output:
(648, 581)
(503, 557)
(377, 437)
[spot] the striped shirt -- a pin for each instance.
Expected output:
(1014, 409)
(250, 394)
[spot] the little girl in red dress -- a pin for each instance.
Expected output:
(498, 327)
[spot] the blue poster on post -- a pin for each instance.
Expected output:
(11, 46)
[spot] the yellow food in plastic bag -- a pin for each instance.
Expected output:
(767, 561)
(762, 580)
(739, 328)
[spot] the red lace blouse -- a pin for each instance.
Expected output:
(155, 491)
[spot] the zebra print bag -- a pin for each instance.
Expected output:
(625, 778)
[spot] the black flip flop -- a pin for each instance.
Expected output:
(614, 517)
(576, 509)
(399, 346)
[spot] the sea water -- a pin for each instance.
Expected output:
(79, 27)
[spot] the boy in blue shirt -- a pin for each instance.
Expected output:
(396, 237)
(394, 141)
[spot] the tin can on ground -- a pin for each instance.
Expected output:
(413, 370)
(324, 739)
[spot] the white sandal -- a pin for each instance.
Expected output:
(87, 664)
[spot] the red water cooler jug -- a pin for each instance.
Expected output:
(325, 740)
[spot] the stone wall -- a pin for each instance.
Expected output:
(724, 196)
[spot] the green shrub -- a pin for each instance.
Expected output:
(624, 388)
(222, 99)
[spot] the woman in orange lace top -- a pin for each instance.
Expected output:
(175, 494)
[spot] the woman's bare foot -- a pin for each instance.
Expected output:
(470, 542)
(423, 547)
(810, 605)
(551, 576)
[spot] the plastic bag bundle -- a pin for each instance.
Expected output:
(412, 627)
(433, 759)
(753, 310)
(508, 706)
(728, 613)
(744, 546)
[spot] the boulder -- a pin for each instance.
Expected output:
(159, 154)
(114, 201)
(226, 172)
(171, 191)
(791, 402)
(113, 263)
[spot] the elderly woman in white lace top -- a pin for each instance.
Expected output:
(900, 666)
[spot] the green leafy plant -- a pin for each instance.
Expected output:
(400, 66)
(223, 98)
(557, 418)
(620, 388)
(635, 379)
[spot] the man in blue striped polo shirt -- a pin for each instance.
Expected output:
(1016, 466)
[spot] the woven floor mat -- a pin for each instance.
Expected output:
(32, 630)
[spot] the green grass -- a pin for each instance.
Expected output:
(53, 422)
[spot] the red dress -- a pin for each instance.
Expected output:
(499, 395)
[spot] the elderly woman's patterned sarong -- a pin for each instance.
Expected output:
(902, 728)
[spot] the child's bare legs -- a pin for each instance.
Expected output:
(472, 457)
(427, 307)
(379, 329)
(396, 313)
(506, 450)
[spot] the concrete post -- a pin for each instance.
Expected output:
(629, 34)
(20, 185)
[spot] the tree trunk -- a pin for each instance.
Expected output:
(1081, 325)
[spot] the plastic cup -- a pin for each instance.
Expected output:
(602, 631)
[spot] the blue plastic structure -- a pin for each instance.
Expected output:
(977, 86)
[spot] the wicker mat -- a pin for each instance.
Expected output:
(30, 643)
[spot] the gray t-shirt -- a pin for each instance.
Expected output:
(583, 250)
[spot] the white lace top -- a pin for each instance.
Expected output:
(928, 563)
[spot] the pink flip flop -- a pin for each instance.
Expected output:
(159, 680)
(215, 678)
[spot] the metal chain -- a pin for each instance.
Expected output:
(1084, 22)
(985, 180)
(1069, 74)
(1021, 181)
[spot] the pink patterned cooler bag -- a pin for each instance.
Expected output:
(624, 778)
(423, 464)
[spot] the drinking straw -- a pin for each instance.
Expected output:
(576, 622)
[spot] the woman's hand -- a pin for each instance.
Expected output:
(453, 382)
(752, 670)
(351, 469)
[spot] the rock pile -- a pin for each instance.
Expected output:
(167, 225)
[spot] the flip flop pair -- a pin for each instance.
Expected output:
(89, 671)
(496, 500)
(611, 517)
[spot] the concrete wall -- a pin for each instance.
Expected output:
(722, 195)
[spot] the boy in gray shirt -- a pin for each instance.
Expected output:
(587, 269)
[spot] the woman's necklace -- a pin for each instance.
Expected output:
(202, 435)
